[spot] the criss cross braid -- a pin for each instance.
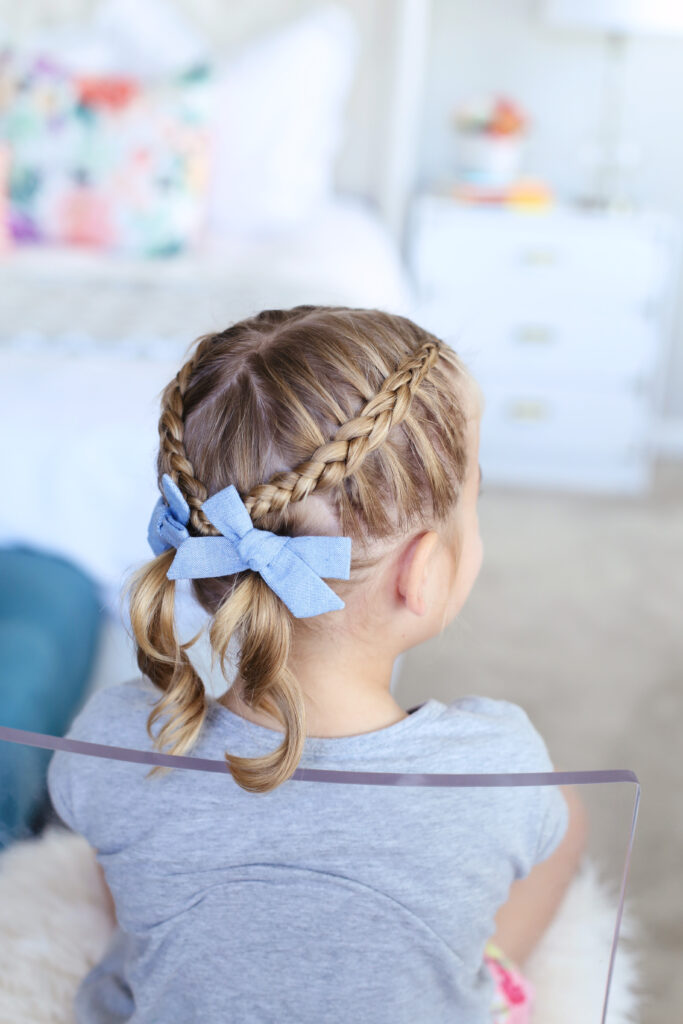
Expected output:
(327, 466)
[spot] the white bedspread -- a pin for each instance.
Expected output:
(87, 344)
(75, 299)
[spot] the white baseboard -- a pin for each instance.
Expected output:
(667, 437)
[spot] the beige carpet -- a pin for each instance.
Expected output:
(577, 615)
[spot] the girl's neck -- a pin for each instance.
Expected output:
(345, 680)
(348, 718)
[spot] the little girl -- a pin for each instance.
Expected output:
(297, 446)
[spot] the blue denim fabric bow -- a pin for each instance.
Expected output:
(291, 566)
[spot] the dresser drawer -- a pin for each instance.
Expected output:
(559, 423)
(473, 254)
(533, 355)
(627, 472)
(580, 342)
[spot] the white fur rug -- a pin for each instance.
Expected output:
(55, 926)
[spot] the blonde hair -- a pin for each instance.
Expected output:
(359, 406)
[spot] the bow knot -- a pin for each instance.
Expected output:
(293, 567)
(258, 548)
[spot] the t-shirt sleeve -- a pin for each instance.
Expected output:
(554, 821)
(68, 772)
(549, 813)
(541, 812)
(59, 787)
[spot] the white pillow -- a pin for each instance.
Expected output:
(280, 122)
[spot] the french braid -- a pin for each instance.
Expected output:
(332, 462)
(172, 455)
(328, 465)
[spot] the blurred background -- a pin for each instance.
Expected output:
(507, 174)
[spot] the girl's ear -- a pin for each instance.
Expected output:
(414, 571)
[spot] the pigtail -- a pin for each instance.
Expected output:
(264, 624)
(160, 656)
(162, 659)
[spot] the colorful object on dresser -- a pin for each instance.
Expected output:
(105, 161)
(525, 193)
(291, 566)
(491, 131)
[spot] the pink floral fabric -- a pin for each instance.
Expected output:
(514, 994)
(102, 160)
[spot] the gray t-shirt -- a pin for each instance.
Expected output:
(316, 901)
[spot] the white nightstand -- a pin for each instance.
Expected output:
(564, 317)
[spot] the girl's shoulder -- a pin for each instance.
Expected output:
(504, 713)
(109, 715)
(510, 733)
(494, 706)
(103, 708)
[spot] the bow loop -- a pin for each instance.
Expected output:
(167, 527)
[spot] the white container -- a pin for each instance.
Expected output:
(490, 160)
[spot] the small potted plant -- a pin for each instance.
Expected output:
(491, 131)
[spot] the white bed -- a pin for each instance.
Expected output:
(68, 301)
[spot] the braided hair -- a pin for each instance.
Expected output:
(327, 420)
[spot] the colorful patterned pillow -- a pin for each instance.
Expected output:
(105, 161)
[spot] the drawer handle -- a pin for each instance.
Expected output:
(535, 334)
(528, 409)
(539, 256)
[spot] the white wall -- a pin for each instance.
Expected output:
(483, 45)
